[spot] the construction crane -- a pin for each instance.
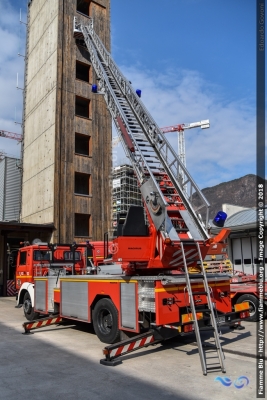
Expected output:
(115, 141)
(181, 141)
(11, 135)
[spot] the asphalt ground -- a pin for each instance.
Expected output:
(62, 362)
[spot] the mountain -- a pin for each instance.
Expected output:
(239, 192)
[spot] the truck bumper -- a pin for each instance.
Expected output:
(230, 318)
(240, 313)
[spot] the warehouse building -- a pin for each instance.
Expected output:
(243, 240)
(10, 189)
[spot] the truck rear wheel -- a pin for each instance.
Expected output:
(105, 321)
(29, 312)
(253, 306)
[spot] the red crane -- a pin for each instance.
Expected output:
(181, 141)
(181, 127)
(11, 135)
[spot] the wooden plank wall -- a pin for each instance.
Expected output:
(98, 127)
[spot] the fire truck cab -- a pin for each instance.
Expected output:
(43, 259)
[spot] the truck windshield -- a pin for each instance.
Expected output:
(42, 255)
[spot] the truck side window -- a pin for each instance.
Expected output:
(22, 258)
(68, 255)
(41, 255)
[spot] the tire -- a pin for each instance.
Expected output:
(29, 312)
(105, 321)
(253, 306)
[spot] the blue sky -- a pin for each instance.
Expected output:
(193, 60)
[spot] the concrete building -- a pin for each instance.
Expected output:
(231, 209)
(10, 189)
(67, 131)
(125, 192)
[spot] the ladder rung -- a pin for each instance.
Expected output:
(214, 368)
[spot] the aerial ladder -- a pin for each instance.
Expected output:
(180, 237)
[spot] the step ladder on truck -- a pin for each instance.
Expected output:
(146, 292)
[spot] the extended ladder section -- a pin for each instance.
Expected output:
(173, 211)
(208, 309)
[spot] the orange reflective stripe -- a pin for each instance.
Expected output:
(242, 306)
(189, 317)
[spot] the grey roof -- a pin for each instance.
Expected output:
(243, 219)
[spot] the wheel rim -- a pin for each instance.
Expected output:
(105, 321)
(27, 306)
(252, 309)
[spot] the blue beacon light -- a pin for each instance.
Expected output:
(220, 219)
(94, 88)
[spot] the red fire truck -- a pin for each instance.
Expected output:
(154, 285)
(244, 288)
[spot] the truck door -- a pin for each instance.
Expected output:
(22, 270)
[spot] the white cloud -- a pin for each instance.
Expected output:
(223, 152)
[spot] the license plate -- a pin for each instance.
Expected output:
(220, 320)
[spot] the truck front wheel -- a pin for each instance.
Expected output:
(29, 312)
(253, 306)
(105, 321)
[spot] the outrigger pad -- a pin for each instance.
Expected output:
(110, 363)
(237, 326)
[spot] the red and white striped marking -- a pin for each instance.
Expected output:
(40, 324)
(10, 288)
(177, 328)
(131, 346)
(176, 261)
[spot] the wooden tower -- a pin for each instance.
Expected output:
(67, 129)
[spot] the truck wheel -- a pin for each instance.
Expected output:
(105, 321)
(29, 312)
(253, 306)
